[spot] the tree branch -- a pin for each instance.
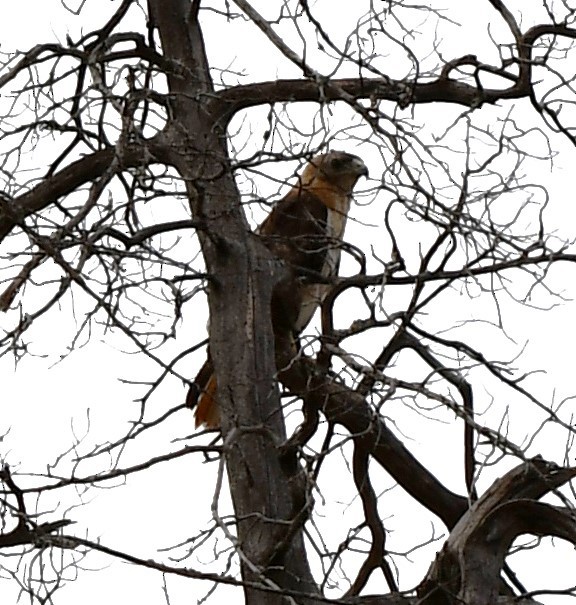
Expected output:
(343, 406)
(321, 89)
(26, 531)
(468, 567)
(80, 172)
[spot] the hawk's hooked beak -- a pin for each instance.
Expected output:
(360, 168)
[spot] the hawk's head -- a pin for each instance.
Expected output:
(335, 164)
(337, 169)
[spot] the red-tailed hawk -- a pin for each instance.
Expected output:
(304, 229)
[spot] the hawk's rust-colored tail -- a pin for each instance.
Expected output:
(207, 413)
(202, 394)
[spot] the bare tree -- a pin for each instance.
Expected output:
(136, 160)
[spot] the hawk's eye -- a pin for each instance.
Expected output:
(338, 163)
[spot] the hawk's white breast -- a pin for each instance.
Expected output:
(314, 294)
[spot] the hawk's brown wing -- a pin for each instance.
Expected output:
(296, 232)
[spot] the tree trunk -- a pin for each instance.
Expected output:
(267, 493)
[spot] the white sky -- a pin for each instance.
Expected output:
(45, 403)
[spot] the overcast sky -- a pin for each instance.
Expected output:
(48, 405)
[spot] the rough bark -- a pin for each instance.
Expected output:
(468, 569)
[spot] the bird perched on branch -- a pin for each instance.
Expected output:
(305, 229)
